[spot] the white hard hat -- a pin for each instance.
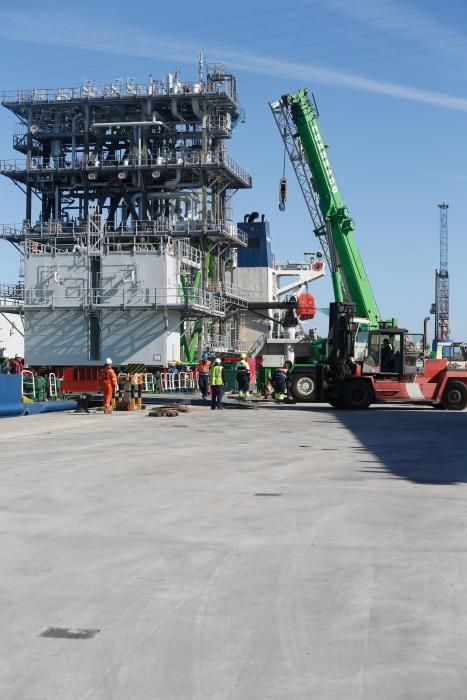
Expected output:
(218, 360)
(108, 361)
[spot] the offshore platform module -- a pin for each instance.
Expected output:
(129, 250)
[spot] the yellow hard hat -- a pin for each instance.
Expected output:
(243, 355)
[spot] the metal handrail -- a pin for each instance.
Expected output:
(223, 343)
(7, 230)
(12, 291)
(162, 227)
(190, 227)
(96, 164)
(229, 290)
(258, 344)
(188, 252)
(123, 296)
(287, 265)
(116, 90)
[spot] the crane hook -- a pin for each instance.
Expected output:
(282, 193)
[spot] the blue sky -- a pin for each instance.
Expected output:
(389, 79)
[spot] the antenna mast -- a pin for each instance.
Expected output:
(442, 278)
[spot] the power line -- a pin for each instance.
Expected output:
(403, 55)
(190, 27)
(203, 24)
(251, 39)
(368, 59)
(286, 49)
(367, 35)
(386, 46)
(334, 25)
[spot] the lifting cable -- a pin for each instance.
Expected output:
(283, 180)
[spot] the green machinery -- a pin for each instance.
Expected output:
(296, 117)
(297, 120)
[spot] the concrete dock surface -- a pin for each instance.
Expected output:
(287, 552)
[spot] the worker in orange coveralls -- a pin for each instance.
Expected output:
(108, 383)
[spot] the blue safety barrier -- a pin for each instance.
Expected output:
(11, 400)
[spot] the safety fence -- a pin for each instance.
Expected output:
(36, 387)
(177, 381)
(53, 386)
(131, 387)
(28, 384)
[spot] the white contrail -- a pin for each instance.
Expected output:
(328, 76)
(155, 46)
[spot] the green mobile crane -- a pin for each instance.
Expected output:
(297, 120)
(365, 359)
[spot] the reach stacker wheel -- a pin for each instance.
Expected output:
(455, 396)
(303, 387)
(357, 394)
(337, 403)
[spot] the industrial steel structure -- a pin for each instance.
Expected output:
(128, 242)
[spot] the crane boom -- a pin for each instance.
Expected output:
(350, 281)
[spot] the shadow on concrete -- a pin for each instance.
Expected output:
(418, 444)
(193, 399)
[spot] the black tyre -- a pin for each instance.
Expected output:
(303, 387)
(336, 403)
(357, 394)
(455, 396)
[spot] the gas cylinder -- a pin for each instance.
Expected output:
(306, 307)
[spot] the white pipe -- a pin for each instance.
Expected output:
(174, 109)
(73, 140)
(176, 180)
(196, 108)
(185, 196)
(154, 122)
(290, 353)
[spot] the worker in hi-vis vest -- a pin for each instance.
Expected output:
(204, 365)
(280, 381)
(108, 383)
(243, 377)
(217, 384)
